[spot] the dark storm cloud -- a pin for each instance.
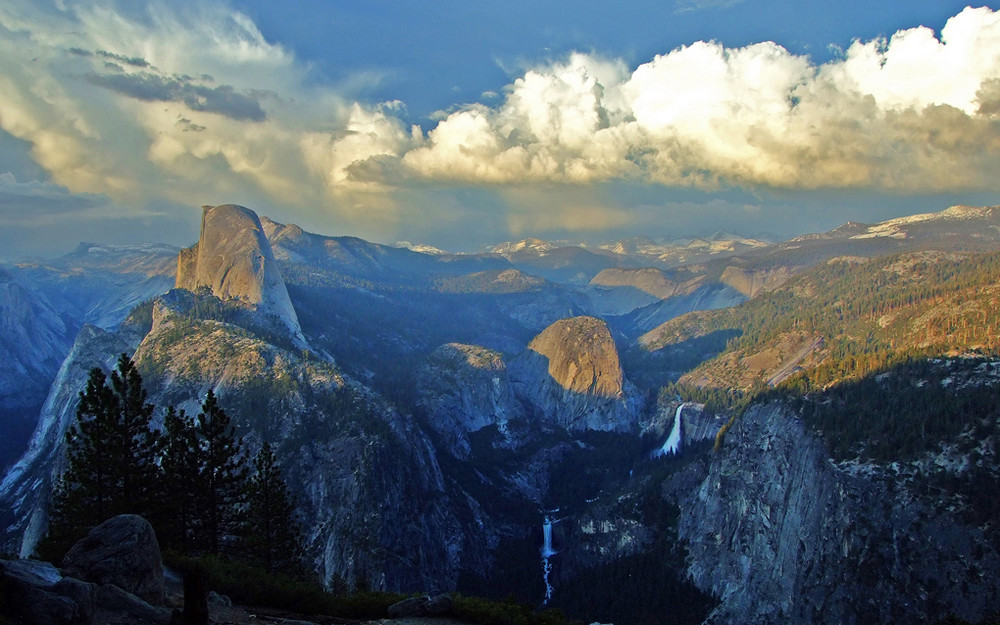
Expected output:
(150, 87)
(134, 61)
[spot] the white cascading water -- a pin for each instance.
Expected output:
(673, 444)
(547, 552)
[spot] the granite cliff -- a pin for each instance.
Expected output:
(571, 376)
(233, 259)
(780, 533)
(462, 389)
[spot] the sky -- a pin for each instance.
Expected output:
(464, 123)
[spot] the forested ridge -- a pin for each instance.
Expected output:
(869, 315)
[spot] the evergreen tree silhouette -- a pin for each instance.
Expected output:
(273, 534)
(111, 455)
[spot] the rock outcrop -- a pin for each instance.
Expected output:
(233, 259)
(779, 533)
(572, 377)
(113, 575)
(462, 389)
(28, 594)
(122, 551)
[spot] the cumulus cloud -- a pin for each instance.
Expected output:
(197, 106)
(914, 112)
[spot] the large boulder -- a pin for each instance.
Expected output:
(122, 551)
(115, 602)
(31, 593)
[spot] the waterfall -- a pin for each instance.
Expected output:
(673, 444)
(547, 552)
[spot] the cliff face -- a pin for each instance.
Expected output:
(33, 341)
(25, 490)
(572, 377)
(462, 389)
(366, 480)
(233, 258)
(780, 533)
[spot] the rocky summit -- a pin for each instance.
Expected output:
(571, 375)
(233, 259)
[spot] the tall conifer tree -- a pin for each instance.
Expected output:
(179, 470)
(111, 455)
(221, 477)
(273, 535)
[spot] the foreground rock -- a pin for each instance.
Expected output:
(113, 575)
(122, 551)
(28, 594)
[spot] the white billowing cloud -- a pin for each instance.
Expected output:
(193, 105)
(910, 113)
(184, 104)
(915, 69)
(551, 127)
(367, 134)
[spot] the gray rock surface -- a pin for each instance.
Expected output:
(83, 594)
(462, 389)
(25, 489)
(29, 596)
(233, 258)
(572, 377)
(780, 533)
(122, 551)
(113, 601)
(32, 572)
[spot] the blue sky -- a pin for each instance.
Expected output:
(465, 123)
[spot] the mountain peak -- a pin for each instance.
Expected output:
(234, 259)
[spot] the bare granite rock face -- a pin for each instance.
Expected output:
(122, 551)
(571, 375)
(462, 389)
(233, 258)
(780, 533)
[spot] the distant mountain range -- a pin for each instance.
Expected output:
(433, 411)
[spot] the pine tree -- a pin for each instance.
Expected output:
(274, 537)
(178, 466)
(111, 455)
(221, 478)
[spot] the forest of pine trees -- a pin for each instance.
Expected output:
(192, 479)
